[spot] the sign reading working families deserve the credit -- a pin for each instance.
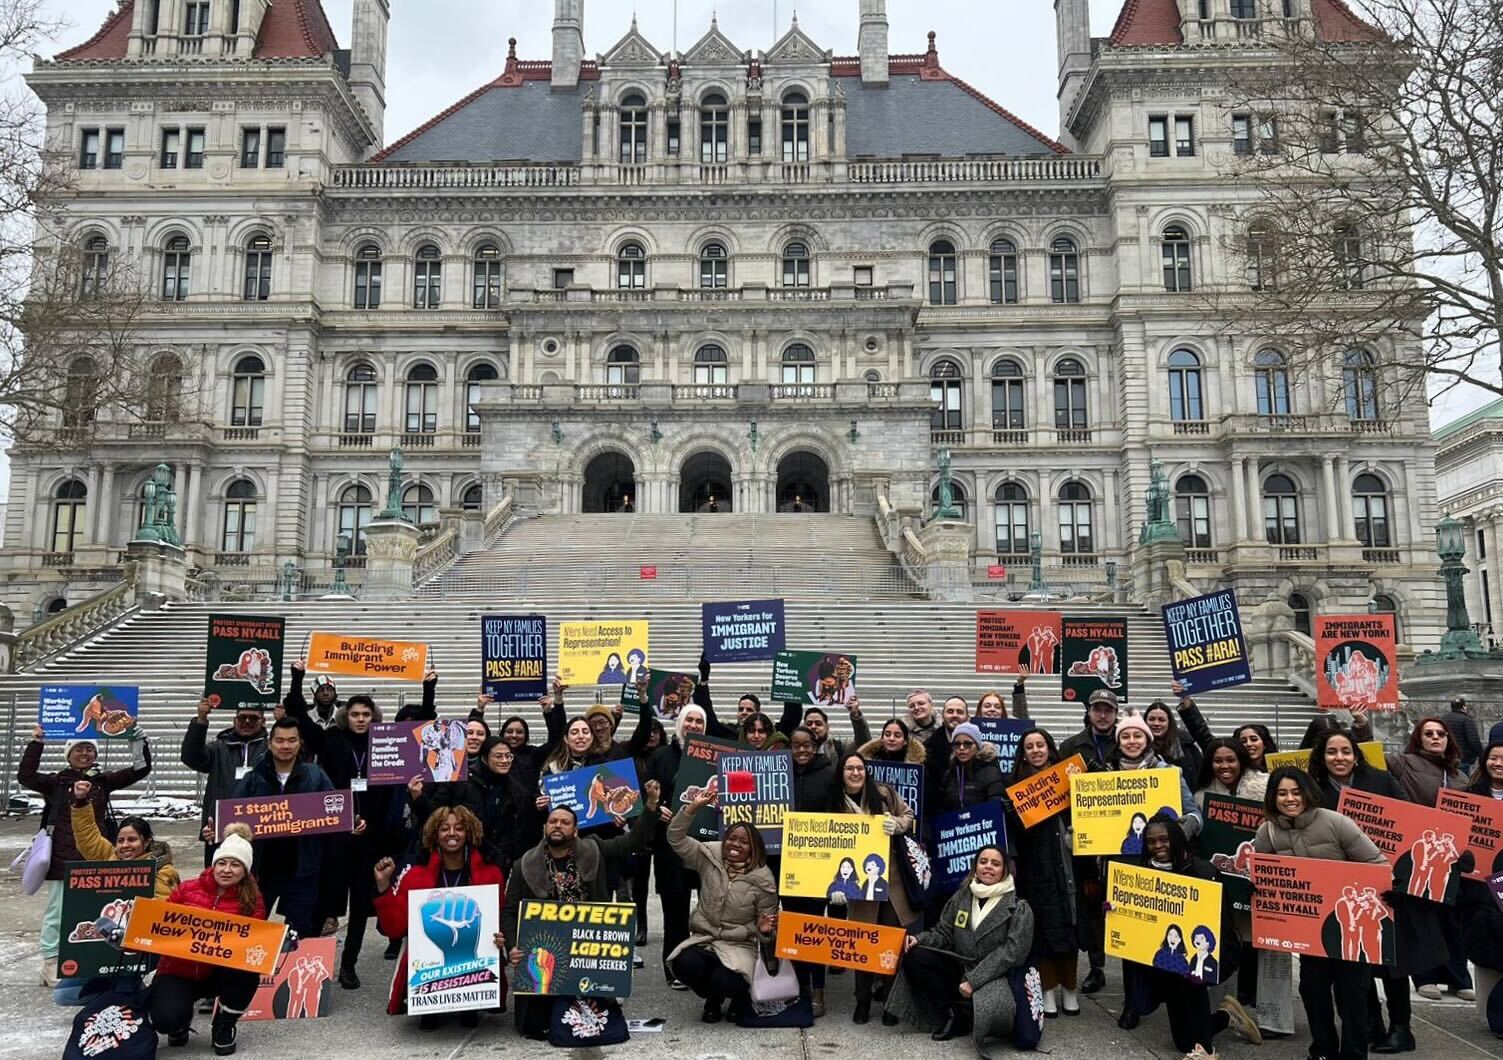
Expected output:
(667, 691)
(1165, 920)
(300, 988)
(1485, 840)
(840, 943)
(825, 854)
(697, 766)
(756, 788)
(956, 837)
(826, 679)
(1093, 657)
(906, 779)
(514, 657)
(1355, 662)
(1206, 647)
(602, 653)
(453, 964)
(1046, 793)
(1005, 734)
(575, 949)
(1226, 840)
(1423, 844)
(1018, 642)
(288, 816)
(243, 661)
(95, 891)
(742, 630)
(224, 940)
(73, 712)
(352, 656)
(1372, 753)
(1323, 908)
(1109, 811)
(602, 794)
(432, 751)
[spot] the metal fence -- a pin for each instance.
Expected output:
(680, 581)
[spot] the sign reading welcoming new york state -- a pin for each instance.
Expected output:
(1206, 646)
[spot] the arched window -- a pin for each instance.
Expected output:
(422, 399)
(354, 514)
(248, 392)
(164, 393)
(714, 267)
(1262, 258)
(796, 265)
(710, 365)
(1281, 510)
(1299, 603)
(633, 129)
(795, 127)
(1064, 271)
(1351, 263)
(368, 265)
(1004, 272)
(798, 364)
(96, 267)
(623, 367)
(1075, 537)
(361, 392)
(714, 129)
(239, 517)
(81, 392)
(1176, 255)
(1383, 604)
(631, 267)
(1359, 384)
(427, 278)
(257, 287)
(1185, 404)
(419, 506)
(177, 264)
(1192, 510)
(945, 389)
(1013, 520)
(477, 376)
(1272, 375)
(473, 498)
(70, 501)
(942, 273)
(1008, 401)
(1370, 511)
(486, 284)
(1070, 396)
(957, 499)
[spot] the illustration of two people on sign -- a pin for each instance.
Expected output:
(834, 681)
(253, 667)
(871, 889)
(300, 993)
(614, 674)
(1360, 915)
(442, 743)
(1431, 860)
(1201, 965)
(1042, 643)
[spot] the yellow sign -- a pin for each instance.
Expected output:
(1165, 920)
(602, 653)
(1110, 810)
(1372, 751)
(826, 853)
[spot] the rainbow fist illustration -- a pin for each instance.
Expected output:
(540, 966)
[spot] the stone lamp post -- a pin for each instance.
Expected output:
(1460, 640)
(391, 543)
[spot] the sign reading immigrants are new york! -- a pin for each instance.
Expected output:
(742, 630)
(339, 653)
(288, 816)
(1355, 664)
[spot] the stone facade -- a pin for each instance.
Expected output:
(1469, 481)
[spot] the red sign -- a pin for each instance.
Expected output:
(1422, 844)
(1326, 908)
(1017, 642)
(996, 572)
(1355, 667)
(649, 574)
(1485, 840)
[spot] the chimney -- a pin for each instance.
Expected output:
(1072, 19)
(368, 60)
(568, 42)
(872, 42)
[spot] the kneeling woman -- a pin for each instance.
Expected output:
(452, 840)
(226, 886)
(955, 975)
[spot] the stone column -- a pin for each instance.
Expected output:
(161, 572)
(1344, 499)
(390, 549)
(105, 513)
(1254, 501)
(1238, 492)
(1335, 520)
(948, 544)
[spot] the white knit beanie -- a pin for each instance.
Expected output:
(236, 845)
(68, 747)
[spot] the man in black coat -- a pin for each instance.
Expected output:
(1463, 729)
(224, 760)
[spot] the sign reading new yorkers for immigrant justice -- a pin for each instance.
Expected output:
(514, 657)
(742, 631)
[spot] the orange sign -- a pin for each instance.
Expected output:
(203, 935)
(1323, 908)
(1355, 664)
(1422, 844)
(840, 943)
(1486, 838)
(336, 653)
(1045, 794)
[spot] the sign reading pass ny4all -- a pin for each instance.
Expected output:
(1206, 647)
(575, 949)
(67, 712)
(95, 891)
(742, 631)
(514, 657)
(243, 661)
(1095, 657)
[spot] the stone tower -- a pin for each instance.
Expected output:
(568, 42)
(369, 21)
(872, 42)
(1072, 20)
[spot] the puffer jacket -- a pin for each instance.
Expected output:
(1317, 833)
(202, 892)
(95, 847)
(724, 920)
(914, 754)
(57, 790)
(1422, 777)
(967, 785)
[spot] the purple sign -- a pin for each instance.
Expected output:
(288, 816)
(432, 751)
(1495, 884)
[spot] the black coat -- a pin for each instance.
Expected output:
(967, 785)
(508, 811)
(1046, 881)
(814, 785)
(285, 858)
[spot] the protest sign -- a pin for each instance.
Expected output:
(840, 943)
(608, 793)
(288, 816)
(826, 679)
(1005, 734)
(1046, 793)
(756, 788)
(243, 661)
(1422, 844)
(1094, 653)
(1495, 885)
(668, 692)
(431, 750)
(1372, 753)
(453, 964)
(1206, 646)
(602, 653)
(1110, 810)
(1485, 838)
(829, 853)
(300, 988)
(1322, 908)
(742, 631)
(1226, 840)
(575, 949)
(955, 838)
(1165, 920)
(95, 891)
(73, 712)
(1355, 662)
(697, 766)
(906, 779)
(1017, 642)
(354, 656)
(224, 940)
(514, 657)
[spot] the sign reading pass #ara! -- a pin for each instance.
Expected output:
(243, 663)
(67, 712)
(1095, 657)
(514, 657)
(756, 788)
(742, 631)
(336, 653)
(1206, 647)
(825, 678)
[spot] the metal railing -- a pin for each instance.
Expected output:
(679, 581)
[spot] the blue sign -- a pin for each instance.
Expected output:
(603, 794)
(905, 778)
(1206, 647)
(957, 836)
(75, 712)
(742, 631)
(514, 657)
(1005, 734)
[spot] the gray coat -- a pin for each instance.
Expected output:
(219, 759)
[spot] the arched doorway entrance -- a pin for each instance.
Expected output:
(803, 483)
(704, 484)
(610, 484)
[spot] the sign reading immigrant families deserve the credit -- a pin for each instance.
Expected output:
(1017, 642)
(1109, 811)
(1046, 793)
(240, 943)
(243, 661)
(432, 751)
(71, 712)
(288, 816)
(825, 854)
(1094, 656)
(1422, 844)
(1324, 908)
(602, 653)
(575, 949)
(956, 837)
(756, 788)
(1165, 920)
(1206, 646)
(840, 943)
(453, 964)
(742, 631)
(827, 679)
(514, 657)
(95, 891)
(1355, 664)
(351, 656)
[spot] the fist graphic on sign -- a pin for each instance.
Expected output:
(452, 923)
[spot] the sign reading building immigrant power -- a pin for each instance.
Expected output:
(1355, 668)
(353, 656)
(95, 891)
(1206, 646)
(602, 794)
(1165, 920)
(575, 949)
(823, 678)
(1017, 642)
(453, 964)
(1046, 793)
(756, 788)
(956, 838)
(288, 816)
(433, 751)
(514, 657)
(243, 662)
(742, 631)
(1324, 908)
(602, 653)
(71, 712)
(1094, 656)
(697, 767)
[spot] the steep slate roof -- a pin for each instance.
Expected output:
(291, 29)
(110, 41)
(917, 116)
(523, 122)
(1155, 23)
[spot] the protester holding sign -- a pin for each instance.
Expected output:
(225, 759)
(1227, 770)
(1183, 748)
(1135, 752)
(814, 788)
(133, 841)
(818, 722)
(972, 775)
(1258, 742)
(508, 812)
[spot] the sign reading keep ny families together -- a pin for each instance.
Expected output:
(1206, 646)
(514, 657)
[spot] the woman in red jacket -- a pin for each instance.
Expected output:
(226, 886)
(452, 839)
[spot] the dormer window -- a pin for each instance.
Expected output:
(633, 129)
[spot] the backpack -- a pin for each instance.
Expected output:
(113, 1026)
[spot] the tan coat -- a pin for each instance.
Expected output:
(725, 920)
(867, 912)
(1317, 833)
